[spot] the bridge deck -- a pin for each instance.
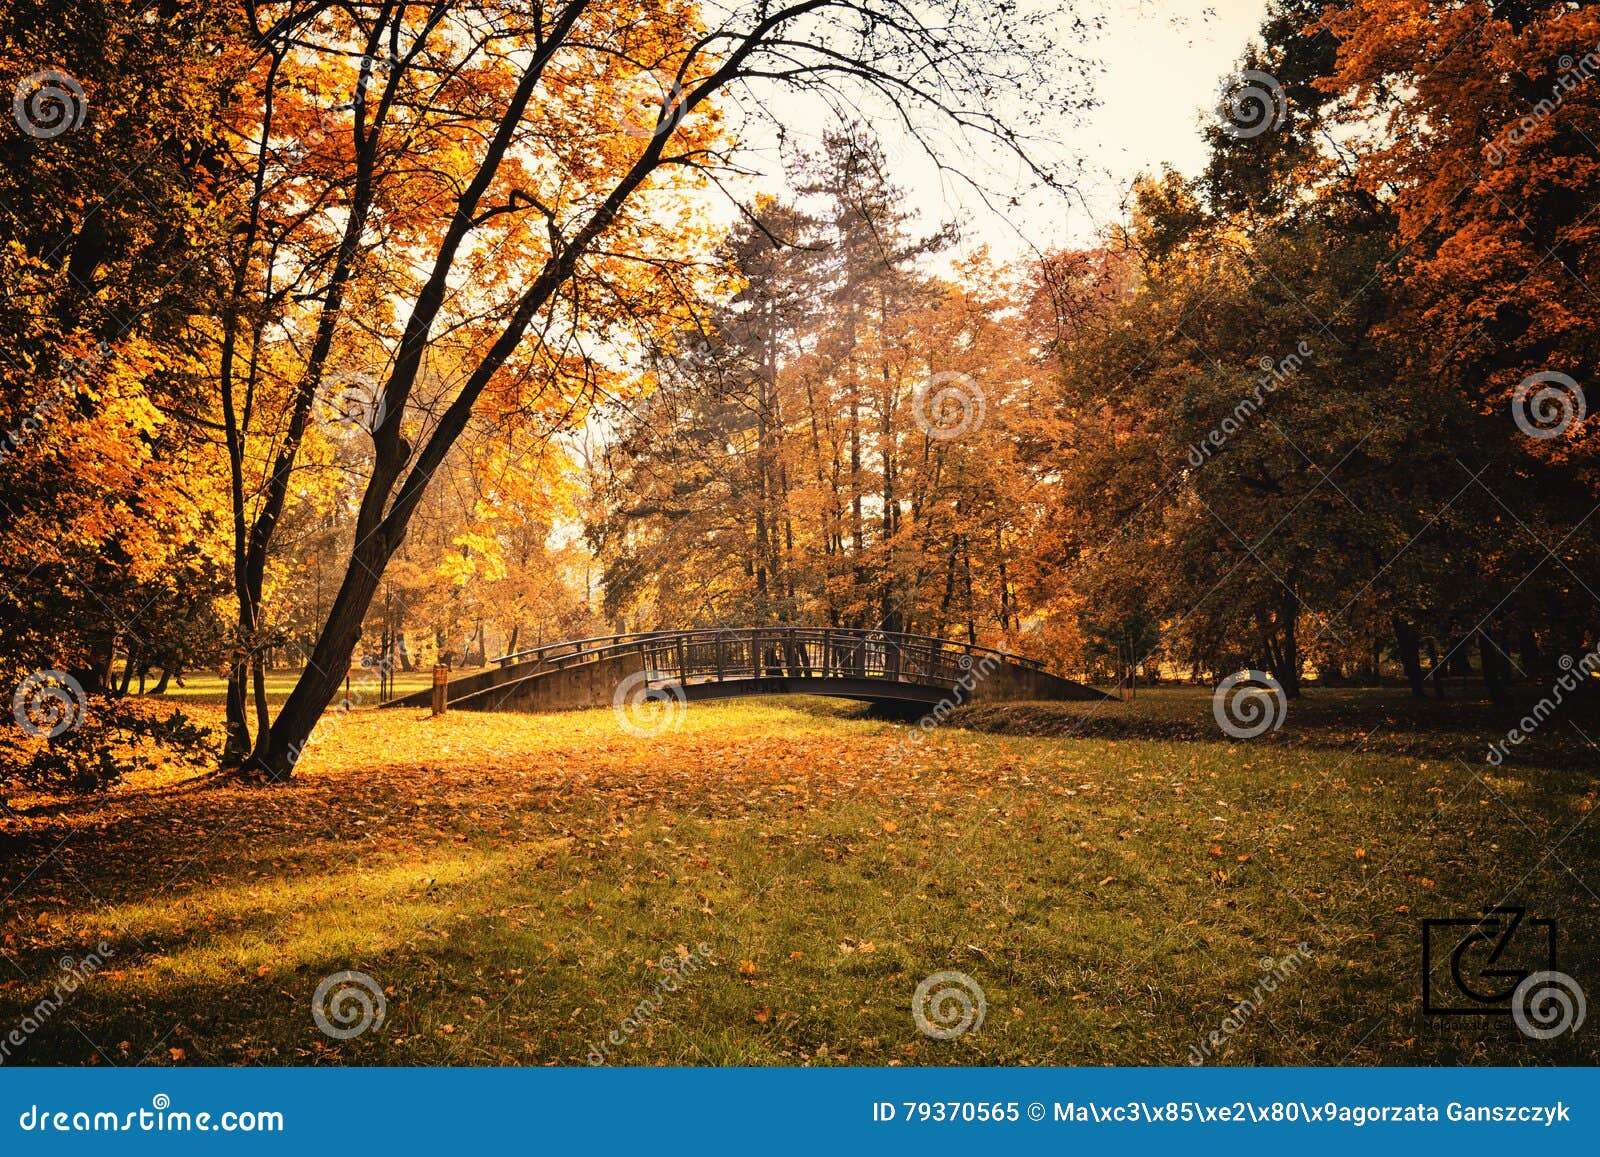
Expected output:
(725, 662)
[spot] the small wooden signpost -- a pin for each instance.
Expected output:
(441, 676)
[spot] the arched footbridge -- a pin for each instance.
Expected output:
(882, 667)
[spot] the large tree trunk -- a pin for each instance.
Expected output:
(95, 674)
(1532, 659)
(1409, 647)
(1282, 640)
(1494, 670)
(1437, 671)
(236, 742)
(279, 749)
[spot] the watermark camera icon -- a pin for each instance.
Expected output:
(1473, 966)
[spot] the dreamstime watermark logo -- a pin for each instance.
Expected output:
(26, 430)
(676, 968)
(1501, 963)
(371, 682)
(1547, 1004)
(1573, 676)
(1274, 374)
(48, 104)
(74, 975)
(1249, 703)
(353, 401)
(48, 704)
(1573, 73)
(1548, 404)
(947, 1005)
(74, 373)
(155, 1119)
(948, 405)
(647, 706)
(902, 145)
(1250, 103)
(347, 1004)
(652, 104)
(973, 672)
(1273, 973)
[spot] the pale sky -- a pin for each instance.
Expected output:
(1161, 62)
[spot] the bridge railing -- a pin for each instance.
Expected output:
(574, 646)
(787, 652)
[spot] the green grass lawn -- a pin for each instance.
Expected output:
(1113, 877)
